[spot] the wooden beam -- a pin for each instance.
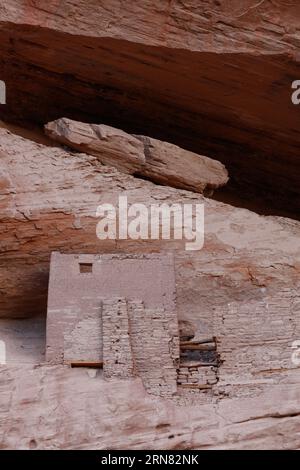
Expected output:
(94, 365)
(201, 341)
(196, 386)
(198, 347)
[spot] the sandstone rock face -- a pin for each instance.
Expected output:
(208, 78)
(160, 162)
(40, 410)
(213, 78)
(49, 201)
(246, 275)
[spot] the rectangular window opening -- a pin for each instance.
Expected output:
(85, 268)
(201, 353)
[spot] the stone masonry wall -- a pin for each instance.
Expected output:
(74, 325)
(117, 352)
(83, 338)
(197, 376)
(254, 339)
(143, 342)
(155, 345)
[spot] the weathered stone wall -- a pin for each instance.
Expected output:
(83, 337)
(155, 345)
(90, 321)
(74, 326)
(254, 339)
(197, 376)
(117, 351)
(142, 342)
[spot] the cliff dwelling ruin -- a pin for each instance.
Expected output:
(118, 312)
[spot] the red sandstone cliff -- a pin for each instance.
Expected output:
(213, 78)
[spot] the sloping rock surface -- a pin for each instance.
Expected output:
(160, 162)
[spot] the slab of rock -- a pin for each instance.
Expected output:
(111, 146)
(160, 162)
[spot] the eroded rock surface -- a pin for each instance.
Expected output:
(247, 273)
(49, 199)
(54, 407)
(214, 78)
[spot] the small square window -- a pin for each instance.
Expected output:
(85, 268)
